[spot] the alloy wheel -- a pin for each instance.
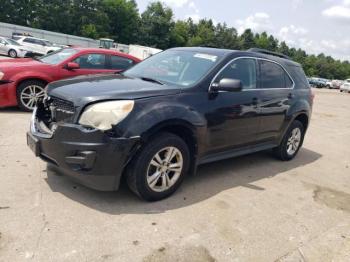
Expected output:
(164, 169)
(31, 94)
(13, 54)
(293, 142)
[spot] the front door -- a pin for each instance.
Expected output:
(89, 64)
(233, 117)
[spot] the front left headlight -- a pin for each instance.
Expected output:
(104, 115)
(1, 75)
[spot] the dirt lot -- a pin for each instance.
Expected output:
(252, 208)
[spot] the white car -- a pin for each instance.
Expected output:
(37, 45)
(346, 86)
(12, 48)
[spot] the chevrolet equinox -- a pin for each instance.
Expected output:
(159, 120)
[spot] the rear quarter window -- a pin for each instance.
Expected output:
(298, 76)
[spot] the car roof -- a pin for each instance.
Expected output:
(228, 52)
(105, 51)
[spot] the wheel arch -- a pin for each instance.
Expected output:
(179, 127)
(41, 79)
(303, 117)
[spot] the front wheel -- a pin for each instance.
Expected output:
(291, 142)
(12, 53)
(28, 94)
(159, 168)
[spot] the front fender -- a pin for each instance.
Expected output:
(22, 76)
(148, 115)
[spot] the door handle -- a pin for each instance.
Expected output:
(291, 96)
(255, 101)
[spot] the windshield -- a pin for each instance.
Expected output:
(11, 42)
(183, 68)
(48, 43)
(57, 57)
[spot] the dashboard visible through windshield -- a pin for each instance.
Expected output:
(183, 68)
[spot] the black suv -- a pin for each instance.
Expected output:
(159, 120)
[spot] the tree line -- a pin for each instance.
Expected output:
(156, 27)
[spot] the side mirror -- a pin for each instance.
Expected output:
(227, 84)
(72, 66)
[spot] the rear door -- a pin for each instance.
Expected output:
(276, 94)
(119, 64)
(3, 46)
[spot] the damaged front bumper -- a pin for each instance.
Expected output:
(91, 157)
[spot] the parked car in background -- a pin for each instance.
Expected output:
(12, 49)
(37, 45)
(345, 87)
(22, 81)
(316, 82)
(336, 84)
(159, 120)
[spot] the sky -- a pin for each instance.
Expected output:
(317, 26)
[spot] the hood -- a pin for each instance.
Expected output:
(87, 89)
(19, 62)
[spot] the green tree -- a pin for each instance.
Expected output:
(123, 20)
(180, 34)
(226, 37)
(156, 25)
(247, 39)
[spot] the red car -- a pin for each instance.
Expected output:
(22, 81)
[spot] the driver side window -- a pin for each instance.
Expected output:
(91, 61)
(243, 69)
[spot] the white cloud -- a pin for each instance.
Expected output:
(341, 11)
(258, 22)
(195, 15)
(297, 3)
(176, 3)
(292, 34)
(193, 6)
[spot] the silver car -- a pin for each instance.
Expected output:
(345, 86)
(12, 48)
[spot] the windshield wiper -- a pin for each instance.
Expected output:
(36, 59)
(151, 80)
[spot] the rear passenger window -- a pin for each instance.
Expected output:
(29, 40)
(243, 69)
(121, 63)
(273, 75)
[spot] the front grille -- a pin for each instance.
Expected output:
(61, 110)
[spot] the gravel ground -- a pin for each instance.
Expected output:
(252, 208)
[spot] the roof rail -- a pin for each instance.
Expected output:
(267, 52)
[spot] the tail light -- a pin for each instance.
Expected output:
(312, 96)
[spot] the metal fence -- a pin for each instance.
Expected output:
(63, 39)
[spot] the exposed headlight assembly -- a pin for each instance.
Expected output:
(104, 115)
(1, 75)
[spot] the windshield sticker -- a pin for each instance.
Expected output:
(206, 56)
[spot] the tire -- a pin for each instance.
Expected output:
(142, 168)
(28, 93)
(12, 53)
(283, 151)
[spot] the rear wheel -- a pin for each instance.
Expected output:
(291, 142)
(159, 168)
(28, 94)
(12, 53)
